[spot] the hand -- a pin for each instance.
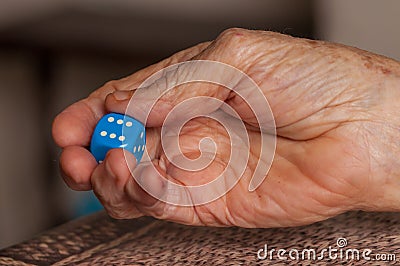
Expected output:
(335, 110)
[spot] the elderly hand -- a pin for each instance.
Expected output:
(337, 125)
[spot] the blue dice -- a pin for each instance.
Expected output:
(118, 131)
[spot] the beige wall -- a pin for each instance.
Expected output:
(368, 24)
(22, 190)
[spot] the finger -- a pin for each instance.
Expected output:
(109, 180)
(155, 98)
(77, 164)
(151, 105)
(123, 197)
(165, 92)
(153, 178)
(76, 123)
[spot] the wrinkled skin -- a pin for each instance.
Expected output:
(335, 109)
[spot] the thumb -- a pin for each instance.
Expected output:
(157, 96)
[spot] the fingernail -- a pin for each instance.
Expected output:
(122, 95)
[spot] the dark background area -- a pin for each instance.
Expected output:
(53, 53)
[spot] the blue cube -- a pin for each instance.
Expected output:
(118, 131)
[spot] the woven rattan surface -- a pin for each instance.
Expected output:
(100, 240)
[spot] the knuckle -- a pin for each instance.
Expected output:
(113, 84)
(116, 214)
(232, 36)
(117, 210)
(108, 87)
(233, 44)
(233, 33)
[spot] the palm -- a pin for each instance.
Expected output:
(307, 182)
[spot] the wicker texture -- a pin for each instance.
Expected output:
(100, 240)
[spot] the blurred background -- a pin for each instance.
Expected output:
(53, 53)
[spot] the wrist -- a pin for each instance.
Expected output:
(384, 142)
